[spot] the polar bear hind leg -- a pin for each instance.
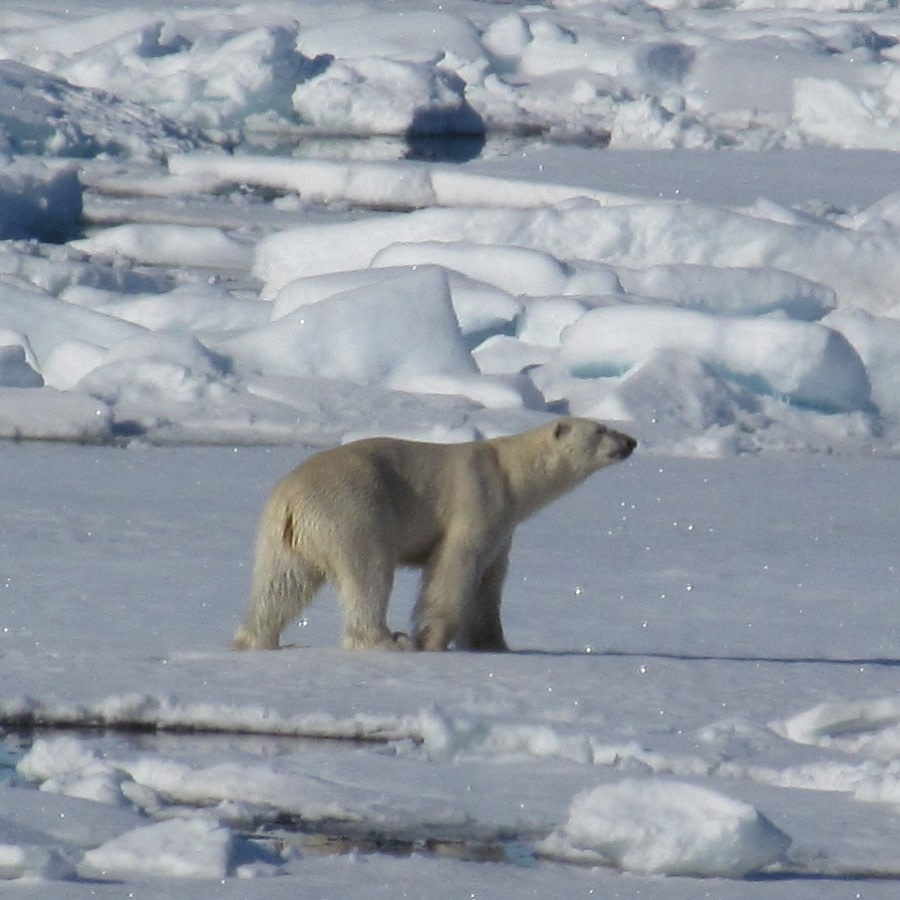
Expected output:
(364, 583)
(284, 584)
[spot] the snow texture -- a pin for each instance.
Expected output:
(685, 631)
(670, 828)
(233, 232)
(202, 173)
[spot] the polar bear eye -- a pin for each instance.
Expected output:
(561, 430)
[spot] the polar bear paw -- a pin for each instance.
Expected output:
(397, 640)
(402, 641)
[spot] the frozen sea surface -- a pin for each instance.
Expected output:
(715, 632)
(232, 232)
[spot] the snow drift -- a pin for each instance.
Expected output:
(669, 828)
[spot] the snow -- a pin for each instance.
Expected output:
(167, 245)
(712, 694)
(201, 172)
(391, 333)
(803, 362)
(670, 828)
(233, 232)
(182, 848)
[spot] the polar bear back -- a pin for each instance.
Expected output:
(409, 493)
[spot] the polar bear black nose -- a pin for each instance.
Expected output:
(626, 446)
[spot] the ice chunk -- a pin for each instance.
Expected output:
(384, 96)
(516, 270)
(70, 361)
(875, 339)
(669, 828)
(508, 36)
(30, 863)
(178, 848)
(480, 308)
(807, 363)
(731, 290)
(384, 334)
(156, 367)
(840, 115)
(392, 74)
(172, 245)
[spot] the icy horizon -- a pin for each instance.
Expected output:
(195, 199)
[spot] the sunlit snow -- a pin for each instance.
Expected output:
(232, 232)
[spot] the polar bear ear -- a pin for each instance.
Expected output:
(561, 429)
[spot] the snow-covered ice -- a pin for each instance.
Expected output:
(692, 636)
(201, 173)
(668, 828)
(230, 229)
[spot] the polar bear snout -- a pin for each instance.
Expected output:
(625, 445)
(613, 446)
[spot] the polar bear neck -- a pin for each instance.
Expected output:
(532, 480)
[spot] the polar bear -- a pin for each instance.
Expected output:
(352, 514)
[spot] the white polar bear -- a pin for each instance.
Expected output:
(354, 513)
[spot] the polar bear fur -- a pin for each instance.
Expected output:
(352, 514)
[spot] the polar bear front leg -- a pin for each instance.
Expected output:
(481, 628)
(449, 584)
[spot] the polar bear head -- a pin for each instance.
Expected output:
(579, 447)
(545, 463)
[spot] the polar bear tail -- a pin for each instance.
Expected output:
(283, 586)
